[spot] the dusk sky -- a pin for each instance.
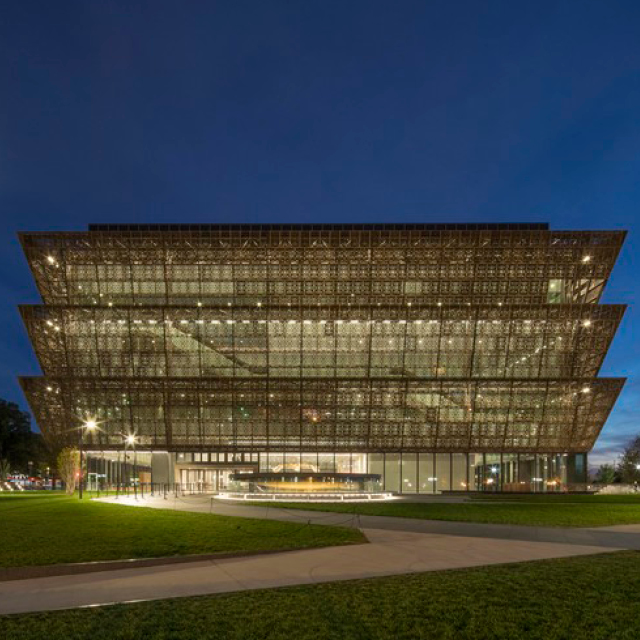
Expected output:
(322, 111)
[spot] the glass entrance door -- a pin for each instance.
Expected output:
(205, 480)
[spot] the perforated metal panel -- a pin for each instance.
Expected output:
(325, 337)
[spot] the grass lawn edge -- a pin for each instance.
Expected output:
(28, 572)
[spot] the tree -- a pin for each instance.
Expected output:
(68, 464)
(606, 474)
(628, 465)
(18, 443)
(25, 450)
(5, 469)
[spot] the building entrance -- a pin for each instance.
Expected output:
(208, 480)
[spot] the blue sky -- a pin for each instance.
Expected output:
(321, 111)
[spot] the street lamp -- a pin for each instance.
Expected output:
(131, 441)
(494, 480)
(89, 425)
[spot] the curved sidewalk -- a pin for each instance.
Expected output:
(389, 553)
(619, 537)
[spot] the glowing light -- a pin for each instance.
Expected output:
(90, 425)
(50, 259)
(586, 323)
(586, 259)
(130, 439)
(586, 390)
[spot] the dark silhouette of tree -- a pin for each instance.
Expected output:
(628, 465)
(606, 474)
(22, 448)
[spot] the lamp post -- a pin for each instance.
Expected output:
(90, 426)
(131, 441)
(494, 471)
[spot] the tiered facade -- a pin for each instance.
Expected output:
(440, 356)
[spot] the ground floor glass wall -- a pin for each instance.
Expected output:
(407, 473)
(439, 472)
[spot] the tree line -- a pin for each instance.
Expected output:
(626, 470)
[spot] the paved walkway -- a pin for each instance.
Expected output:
(397, 546)
(620, 537)
(389, 552)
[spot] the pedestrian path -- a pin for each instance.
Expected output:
(389, 552)
(621, 536)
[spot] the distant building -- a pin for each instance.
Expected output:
(437, 357)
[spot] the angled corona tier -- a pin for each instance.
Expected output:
(439, 357)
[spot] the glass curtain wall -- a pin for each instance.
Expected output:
(407, 473)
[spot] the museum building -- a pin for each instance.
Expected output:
(412, 358)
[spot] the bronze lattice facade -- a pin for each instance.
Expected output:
(388, 342)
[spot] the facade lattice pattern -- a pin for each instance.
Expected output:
(380, 338)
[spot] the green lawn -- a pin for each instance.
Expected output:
(595, 597)
(535, 513)
(50, 529)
